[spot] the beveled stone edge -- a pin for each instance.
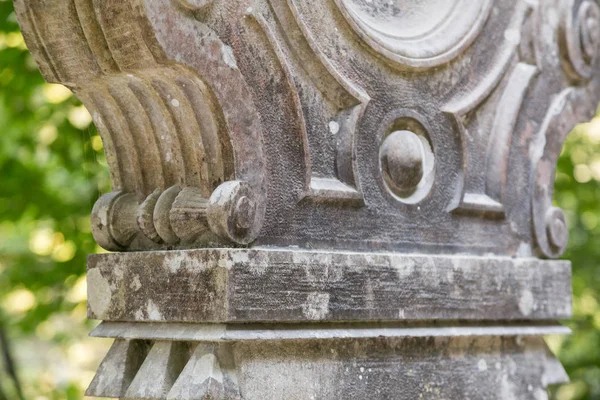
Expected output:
(236, 332)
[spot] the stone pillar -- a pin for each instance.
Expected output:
(326, 199)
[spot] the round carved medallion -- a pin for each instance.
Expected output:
(417, 33)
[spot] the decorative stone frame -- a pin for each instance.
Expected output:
(377, 175)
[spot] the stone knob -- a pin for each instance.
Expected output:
(245, 210)
(233, 212)
(556, 226)
(402, 161)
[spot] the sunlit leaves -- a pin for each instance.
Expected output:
(578, 192)
(52, 172)
(55, 94)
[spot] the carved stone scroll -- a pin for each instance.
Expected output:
(164, 118)
(183, 98)
(330, 135)
(488, 143)
(365, 166)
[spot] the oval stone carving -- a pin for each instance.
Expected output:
(417, 33)
(402, 156)
(406, 161)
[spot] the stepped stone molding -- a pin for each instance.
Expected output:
(332, 199)
(389, 367)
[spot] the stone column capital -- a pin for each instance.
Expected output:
(341, 163)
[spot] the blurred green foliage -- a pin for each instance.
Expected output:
(53, 168)
(577, 191)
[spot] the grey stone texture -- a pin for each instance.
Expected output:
(326, 199)
(265, 285)
(408, 126)
(453, 367)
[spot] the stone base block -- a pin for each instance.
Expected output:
(188, 361)
(269, 285)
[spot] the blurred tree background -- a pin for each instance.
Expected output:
(53, 169)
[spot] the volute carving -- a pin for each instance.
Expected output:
(349, 124)
(168, 125)
(326, 199)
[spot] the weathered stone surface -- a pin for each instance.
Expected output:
(209, 375)
(248, 332)
(429, 368)
(160, 370)
(271, 122)
(278, 285)
(340, 162)
(490, 366)
(120, 366)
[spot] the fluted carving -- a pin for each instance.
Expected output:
(161, 124)
(301, 105)
(382, 161)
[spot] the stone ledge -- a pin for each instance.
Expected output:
(429, 367)
(235, 332)
(264, 285)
